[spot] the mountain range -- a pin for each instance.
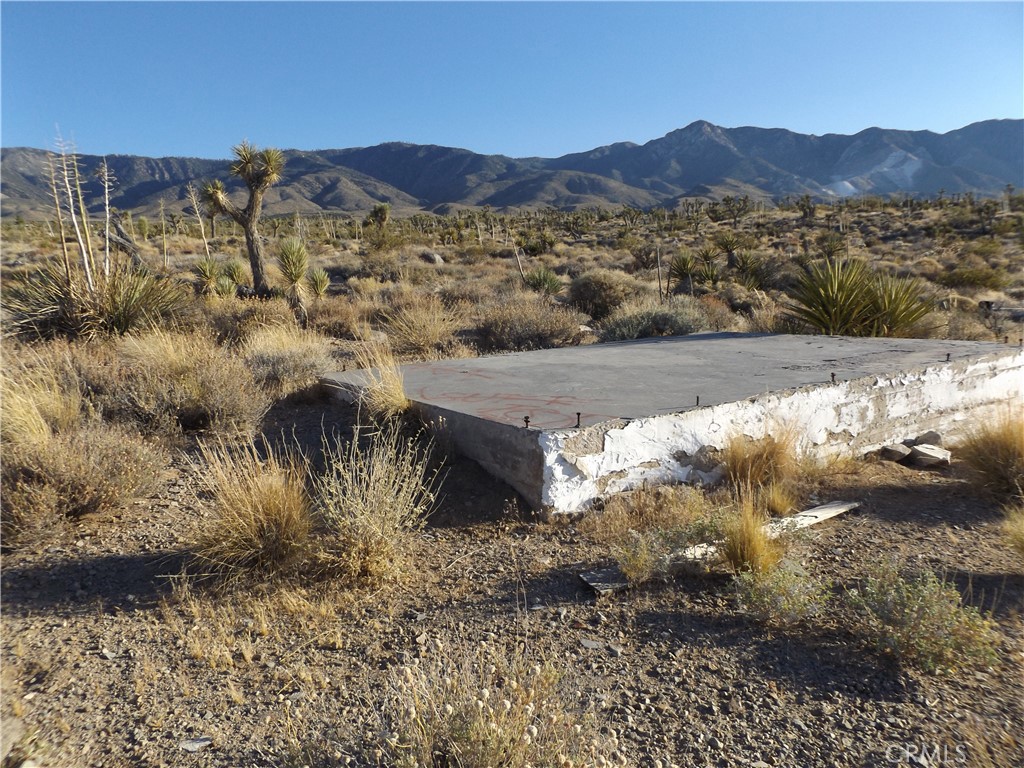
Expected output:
(702, 161)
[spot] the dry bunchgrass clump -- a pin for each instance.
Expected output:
(180, 381)
(262, 516)
(285, 358)
(1013, 527)
(648, 530)
(424, 328)
(42, 395)
(383, 394)
(921, 620)
(748, 546)
(522, 323)
(489, 707)
(761, 463)
(994, 452)
(373, 497)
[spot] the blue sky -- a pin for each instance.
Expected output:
(522, 79)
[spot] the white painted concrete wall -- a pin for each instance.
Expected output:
(852, 417)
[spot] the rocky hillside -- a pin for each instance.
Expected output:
(701, 160)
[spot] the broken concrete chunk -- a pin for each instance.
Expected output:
(194, 745)
(606, 580)
(931, 437)
(894, 452)
(925, 455)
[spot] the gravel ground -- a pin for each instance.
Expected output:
(109, 661)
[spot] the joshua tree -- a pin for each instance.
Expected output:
(260, 170)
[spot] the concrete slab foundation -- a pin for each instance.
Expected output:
(565, 427)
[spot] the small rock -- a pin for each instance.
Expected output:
(926, 455)
(432, 258)
(714, 743)
(615, 650)
(591, 645)
(194, 745)
(108, 654)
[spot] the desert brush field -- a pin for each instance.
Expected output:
(208, 561)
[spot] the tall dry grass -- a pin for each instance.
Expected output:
(994, 454)
(383, 394)
(747, 546)
(262, 515)
(424, 328)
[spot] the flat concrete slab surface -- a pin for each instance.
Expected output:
(651, 377)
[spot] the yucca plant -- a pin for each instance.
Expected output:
(897, 304)
(682, 270)
(318, 282)
(834, 298)
(224, 287)
(234, 270)
(544, 281)
(843, 298)
(206, 270)
(293, 261)
(53, 303)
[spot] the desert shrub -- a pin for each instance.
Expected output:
(521, 323)
(921, 620)
(49, 304)
(339, 316)
(643, 319)
(601, 291)
(233, 320)
(262, 518)
(424, 327)
(543, 281)
(647, 530)
(489, 707)
(177, 381)
(747, 546)
(781, 596)
(977, 277)
(373, 497)
(92, 469)
(383, 393)
(284, 358)
(994, 454)
(718, 316)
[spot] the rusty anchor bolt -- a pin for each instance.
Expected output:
(578, 414)
(526, 421)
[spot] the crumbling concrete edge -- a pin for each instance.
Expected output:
(852, 417)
